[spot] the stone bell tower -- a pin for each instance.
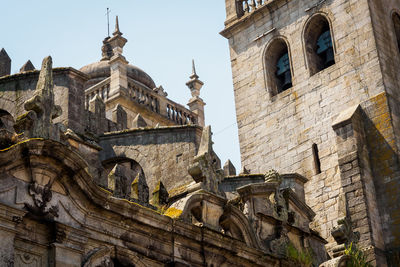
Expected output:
(317, 92)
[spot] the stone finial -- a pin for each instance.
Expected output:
(5, 63)
(160, 195)
(343, 233)
(139, 188)
(116, 31)
(229, 169)
(98, 109)
(119, 116)
(244, 171)
(272, 176)
(106, 50)
(139, 122)
(118, 63)
(194, 83)
(37, 122)
(160, 91)
(206, 142)
(194, 74)
(204, 170)
(196, 104)
(27, 67)
(117, 42)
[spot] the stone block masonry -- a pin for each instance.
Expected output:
(279, 130)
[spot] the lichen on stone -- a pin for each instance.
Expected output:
(173, 213)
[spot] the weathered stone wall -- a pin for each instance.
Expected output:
(384, 133)
(80, 224)
(163, 153)
(278, 131)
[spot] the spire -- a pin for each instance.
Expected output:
(196, 104)
(5, 63)
(116, 32)
(194, 74)
(27, 67)
(194, 84)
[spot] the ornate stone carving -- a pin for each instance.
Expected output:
(98, 257)
(343, 233)
(204, 169)
(272, 176)
(41, 196)
(37, 122)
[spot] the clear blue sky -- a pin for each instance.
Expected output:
(163, 37)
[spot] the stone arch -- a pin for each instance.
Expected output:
(318, 41)
(192, 210)
(126, 257)
(396, 27)
(6, 129)
(8, 106)
(135, 154)
(127, 178)
(275, 52)
(237, 225)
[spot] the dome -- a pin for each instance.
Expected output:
(98, 71)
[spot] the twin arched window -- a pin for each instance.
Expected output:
(318, 48)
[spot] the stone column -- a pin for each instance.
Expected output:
(69, 247)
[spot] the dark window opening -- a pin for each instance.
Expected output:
(283, 75)
(317, 162)
(325, 48)
(278, 67)
(318, 44)
(396, 24)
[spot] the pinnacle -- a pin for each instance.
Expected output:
(117, 32)
(27, 67)
(194, 74)
(3, 53)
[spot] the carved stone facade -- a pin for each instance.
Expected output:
(99, 168)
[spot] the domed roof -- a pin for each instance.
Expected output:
(101, 70)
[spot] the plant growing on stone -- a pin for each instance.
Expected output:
(356, 257)
(302, 258)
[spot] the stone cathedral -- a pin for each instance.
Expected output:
(98, 167)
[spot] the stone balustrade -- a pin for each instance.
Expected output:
(101, 89)
(144, 97)
(147, 98)
(180, 115)
(161, 105)
(248, 6)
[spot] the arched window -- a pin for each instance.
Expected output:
(278, 67)
(318, 44)
(396, 24)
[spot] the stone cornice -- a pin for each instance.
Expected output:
(34, 73)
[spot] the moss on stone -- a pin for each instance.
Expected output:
(23, 116)
(173, 212)
(25, 141)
